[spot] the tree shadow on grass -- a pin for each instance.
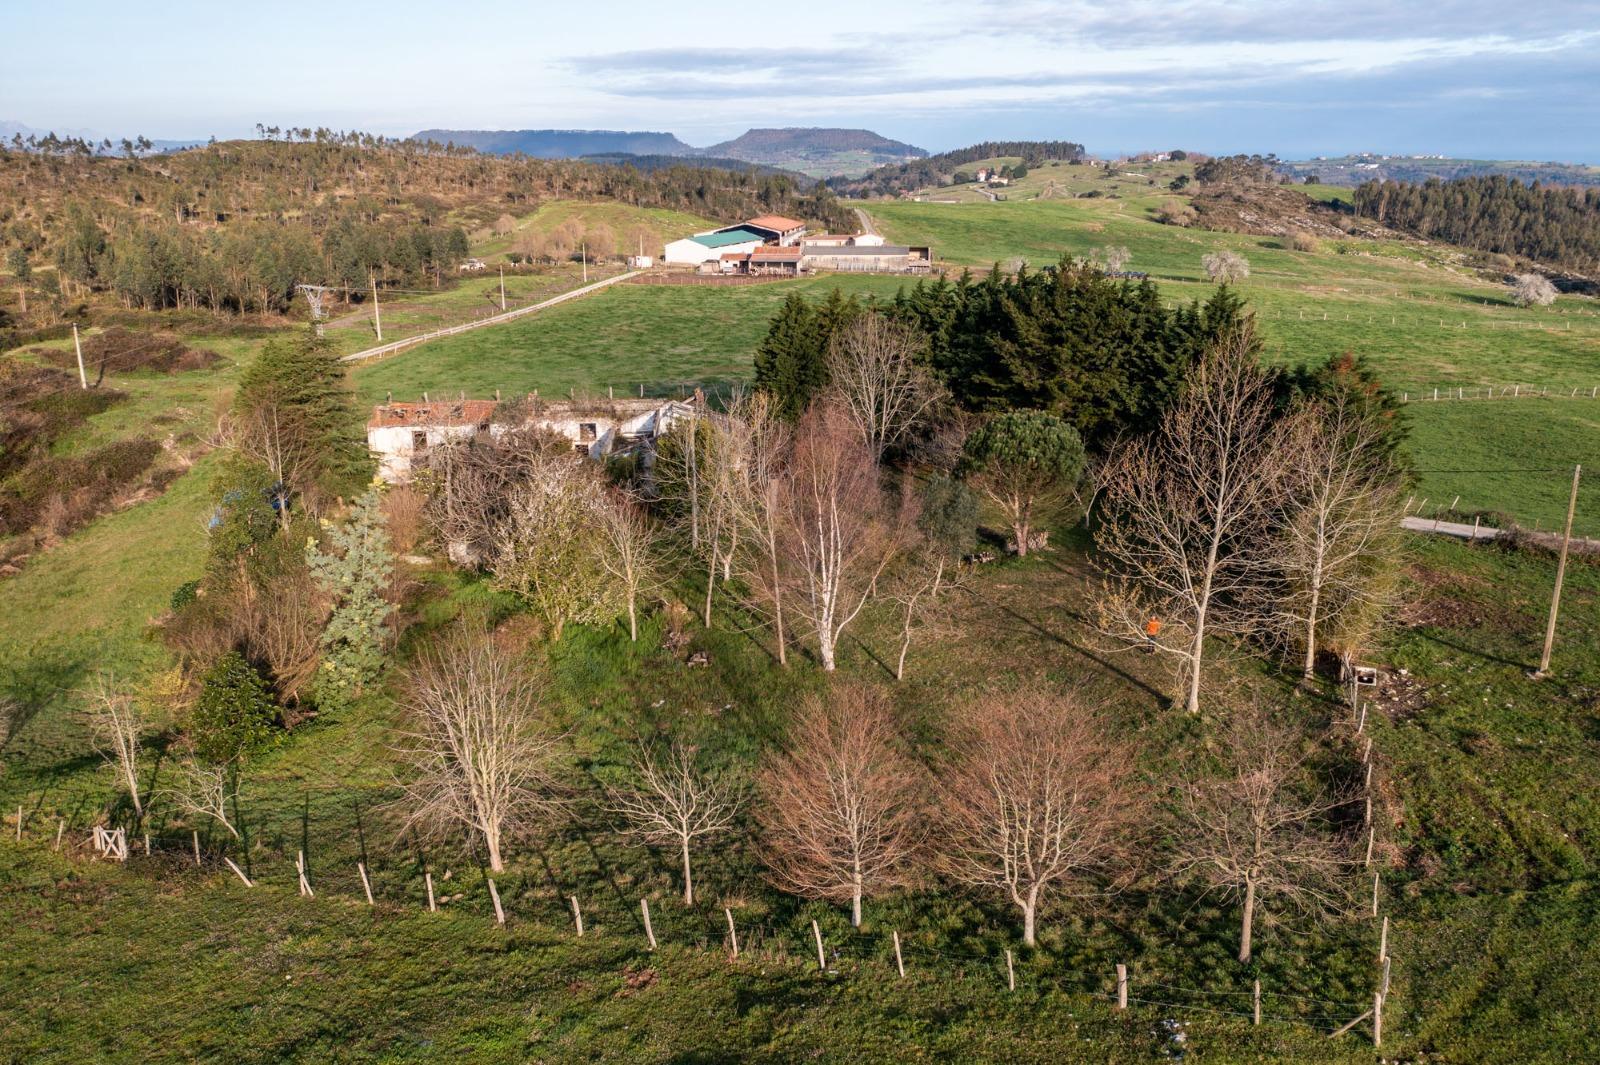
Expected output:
(1077, 648)
(1477, 652)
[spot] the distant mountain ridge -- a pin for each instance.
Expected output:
(558, 143)
(818, 152)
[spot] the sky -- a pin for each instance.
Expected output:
(1296, 77)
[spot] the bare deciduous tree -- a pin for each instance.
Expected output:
(1039, 802)
(874, 375)
(205, 790)
(483, 760)
(1259, 833)
(841, 806)
(117, 725)
(1115, 256)
(837, 535)
(1185, 511)
(631, 555)
(677, 803)
(1341, 510)
(1225, 267)
(759, 506)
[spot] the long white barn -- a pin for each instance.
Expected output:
(400, 433)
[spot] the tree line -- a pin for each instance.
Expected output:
(1559, 225)
(233, 225)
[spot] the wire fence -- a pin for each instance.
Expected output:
(650, 925)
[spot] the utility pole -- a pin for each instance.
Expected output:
(83, 378)
(377, 318)
(502, 287)
(1561, 573)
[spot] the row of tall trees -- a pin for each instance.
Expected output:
(1555, 224)
(1037, 801)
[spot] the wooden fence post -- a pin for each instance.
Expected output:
(1122, 987)
(427, 878)
(1256, 1003)
(1372, 835)
(239, 872)
(1383, 941)
(19, 824)
(899, 962)
(1374, 894)
(822, 960)
(649, 932)
(300, 867)
(1377, 1018)
(194, 837)
(366, 883)
(733, 933)
(577, 914)
(499, 913)
(1011, 972)
(61, 826)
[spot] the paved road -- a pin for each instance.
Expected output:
(865, 220)
(409, 342)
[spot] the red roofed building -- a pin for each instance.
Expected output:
(784, 231)
(771, 259)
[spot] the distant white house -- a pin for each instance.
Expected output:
(400, 434)
(473, 265)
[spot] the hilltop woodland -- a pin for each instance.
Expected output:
(233, 227)
(1555, 225)
(936, 170)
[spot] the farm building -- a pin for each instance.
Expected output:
(709, 247)
(767, 260)
(783, 231)
(743, 238)
(399, 434)
(841, 240)
(866, 259)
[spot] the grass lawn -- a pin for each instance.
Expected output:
(661, 336)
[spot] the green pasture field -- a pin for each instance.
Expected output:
(661, 336)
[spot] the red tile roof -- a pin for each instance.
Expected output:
(775, 222)
(770, 253)
(441, 412)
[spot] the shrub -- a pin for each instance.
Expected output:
(1300, 240)
(184, 594)
(233, 715)
(1176, 213)
(1532, 290)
